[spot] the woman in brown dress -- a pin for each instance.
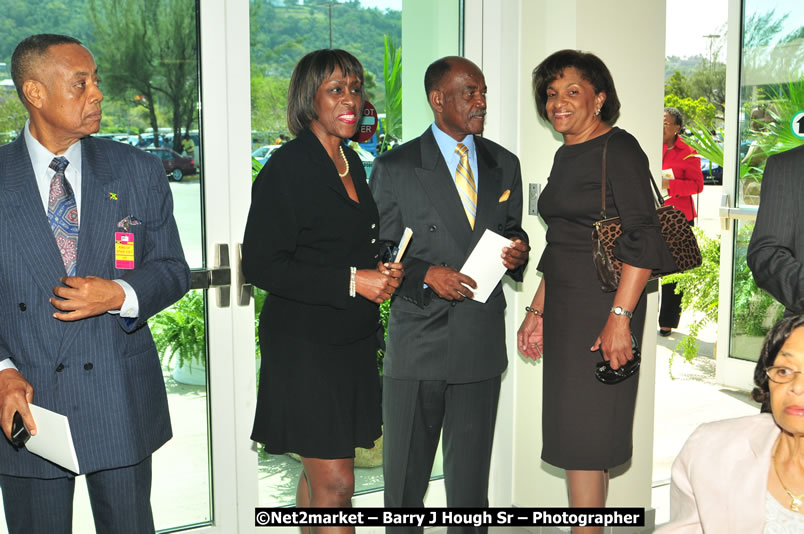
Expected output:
(587, 425)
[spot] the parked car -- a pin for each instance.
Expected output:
(712, 172)
(263, 153)
(176, 166)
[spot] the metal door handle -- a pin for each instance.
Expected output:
(728, 212)
(219, 277)
(244, 289)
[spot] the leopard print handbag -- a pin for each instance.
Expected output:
(677, 233)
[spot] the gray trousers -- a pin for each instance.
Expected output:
(414, 413)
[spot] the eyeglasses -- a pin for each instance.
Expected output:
(781, 375)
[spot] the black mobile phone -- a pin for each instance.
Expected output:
(19, 432)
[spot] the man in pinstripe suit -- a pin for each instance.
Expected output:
(446, 353)
(776, 251)
(73, 337)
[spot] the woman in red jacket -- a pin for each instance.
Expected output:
(681, 178)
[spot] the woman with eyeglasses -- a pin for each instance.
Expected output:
(747, 474)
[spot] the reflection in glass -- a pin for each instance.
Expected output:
(753, 311)
(771, 88)
(280, 35)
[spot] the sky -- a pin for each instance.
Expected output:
(383, 4)
(687, 23)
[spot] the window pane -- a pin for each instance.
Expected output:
(753, 311)
(281, 33)
(147, 54)
(771, 88)
(771, 104)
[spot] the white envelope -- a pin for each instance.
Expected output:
(53, 440)
(484, 265)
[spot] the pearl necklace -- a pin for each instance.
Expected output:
(795, 500)
(346, 161)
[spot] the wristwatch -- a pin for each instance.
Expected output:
(619, 310)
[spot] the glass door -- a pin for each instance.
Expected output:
(771, 95)
(154, 57)
(178, 83)
(372, 30)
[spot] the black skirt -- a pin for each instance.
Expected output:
(319, 401)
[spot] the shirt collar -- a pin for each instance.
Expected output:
(447, 144)
(41, 156)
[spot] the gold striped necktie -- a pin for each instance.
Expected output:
(466, 184)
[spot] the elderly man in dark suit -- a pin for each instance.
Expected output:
(776, 252)
(445, 352)
(89, 251)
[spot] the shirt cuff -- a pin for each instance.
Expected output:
(7, 364)
(131, 306)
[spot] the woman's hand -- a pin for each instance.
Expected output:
(377, 285)
(614, 341)
(530, 337)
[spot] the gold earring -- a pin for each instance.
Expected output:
(597, 112)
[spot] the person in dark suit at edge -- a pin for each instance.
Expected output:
(73, 334)
(776, 251)
(445, 352)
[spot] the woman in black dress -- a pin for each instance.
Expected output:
(311, 241)
(587, 424)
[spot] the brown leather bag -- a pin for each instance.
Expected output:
(676, 232)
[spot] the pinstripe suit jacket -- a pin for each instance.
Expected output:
(103, 372)
(430, 338)
(776, 252)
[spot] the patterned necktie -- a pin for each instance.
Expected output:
(466, 184)
(62, 213)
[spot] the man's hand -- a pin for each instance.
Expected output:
(448, 283)
(86, 297)
(15, 395)
(515, 255)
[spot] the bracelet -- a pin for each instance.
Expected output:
(352, 282)
(534, 311)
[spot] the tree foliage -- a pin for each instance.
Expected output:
(12, 115)
(269, 99)
(392, 73)
(694, 111)
(282, 33)
(148, 49)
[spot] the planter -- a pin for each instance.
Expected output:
(745, 347)
(363, 457)
(751, 190)
(369, 457)
(194, 375)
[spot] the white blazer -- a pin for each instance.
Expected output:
(720, 477)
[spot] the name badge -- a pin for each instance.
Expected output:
(123, 250)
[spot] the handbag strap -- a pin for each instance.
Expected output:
(658, 194)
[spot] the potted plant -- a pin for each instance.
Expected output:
(179, 333)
